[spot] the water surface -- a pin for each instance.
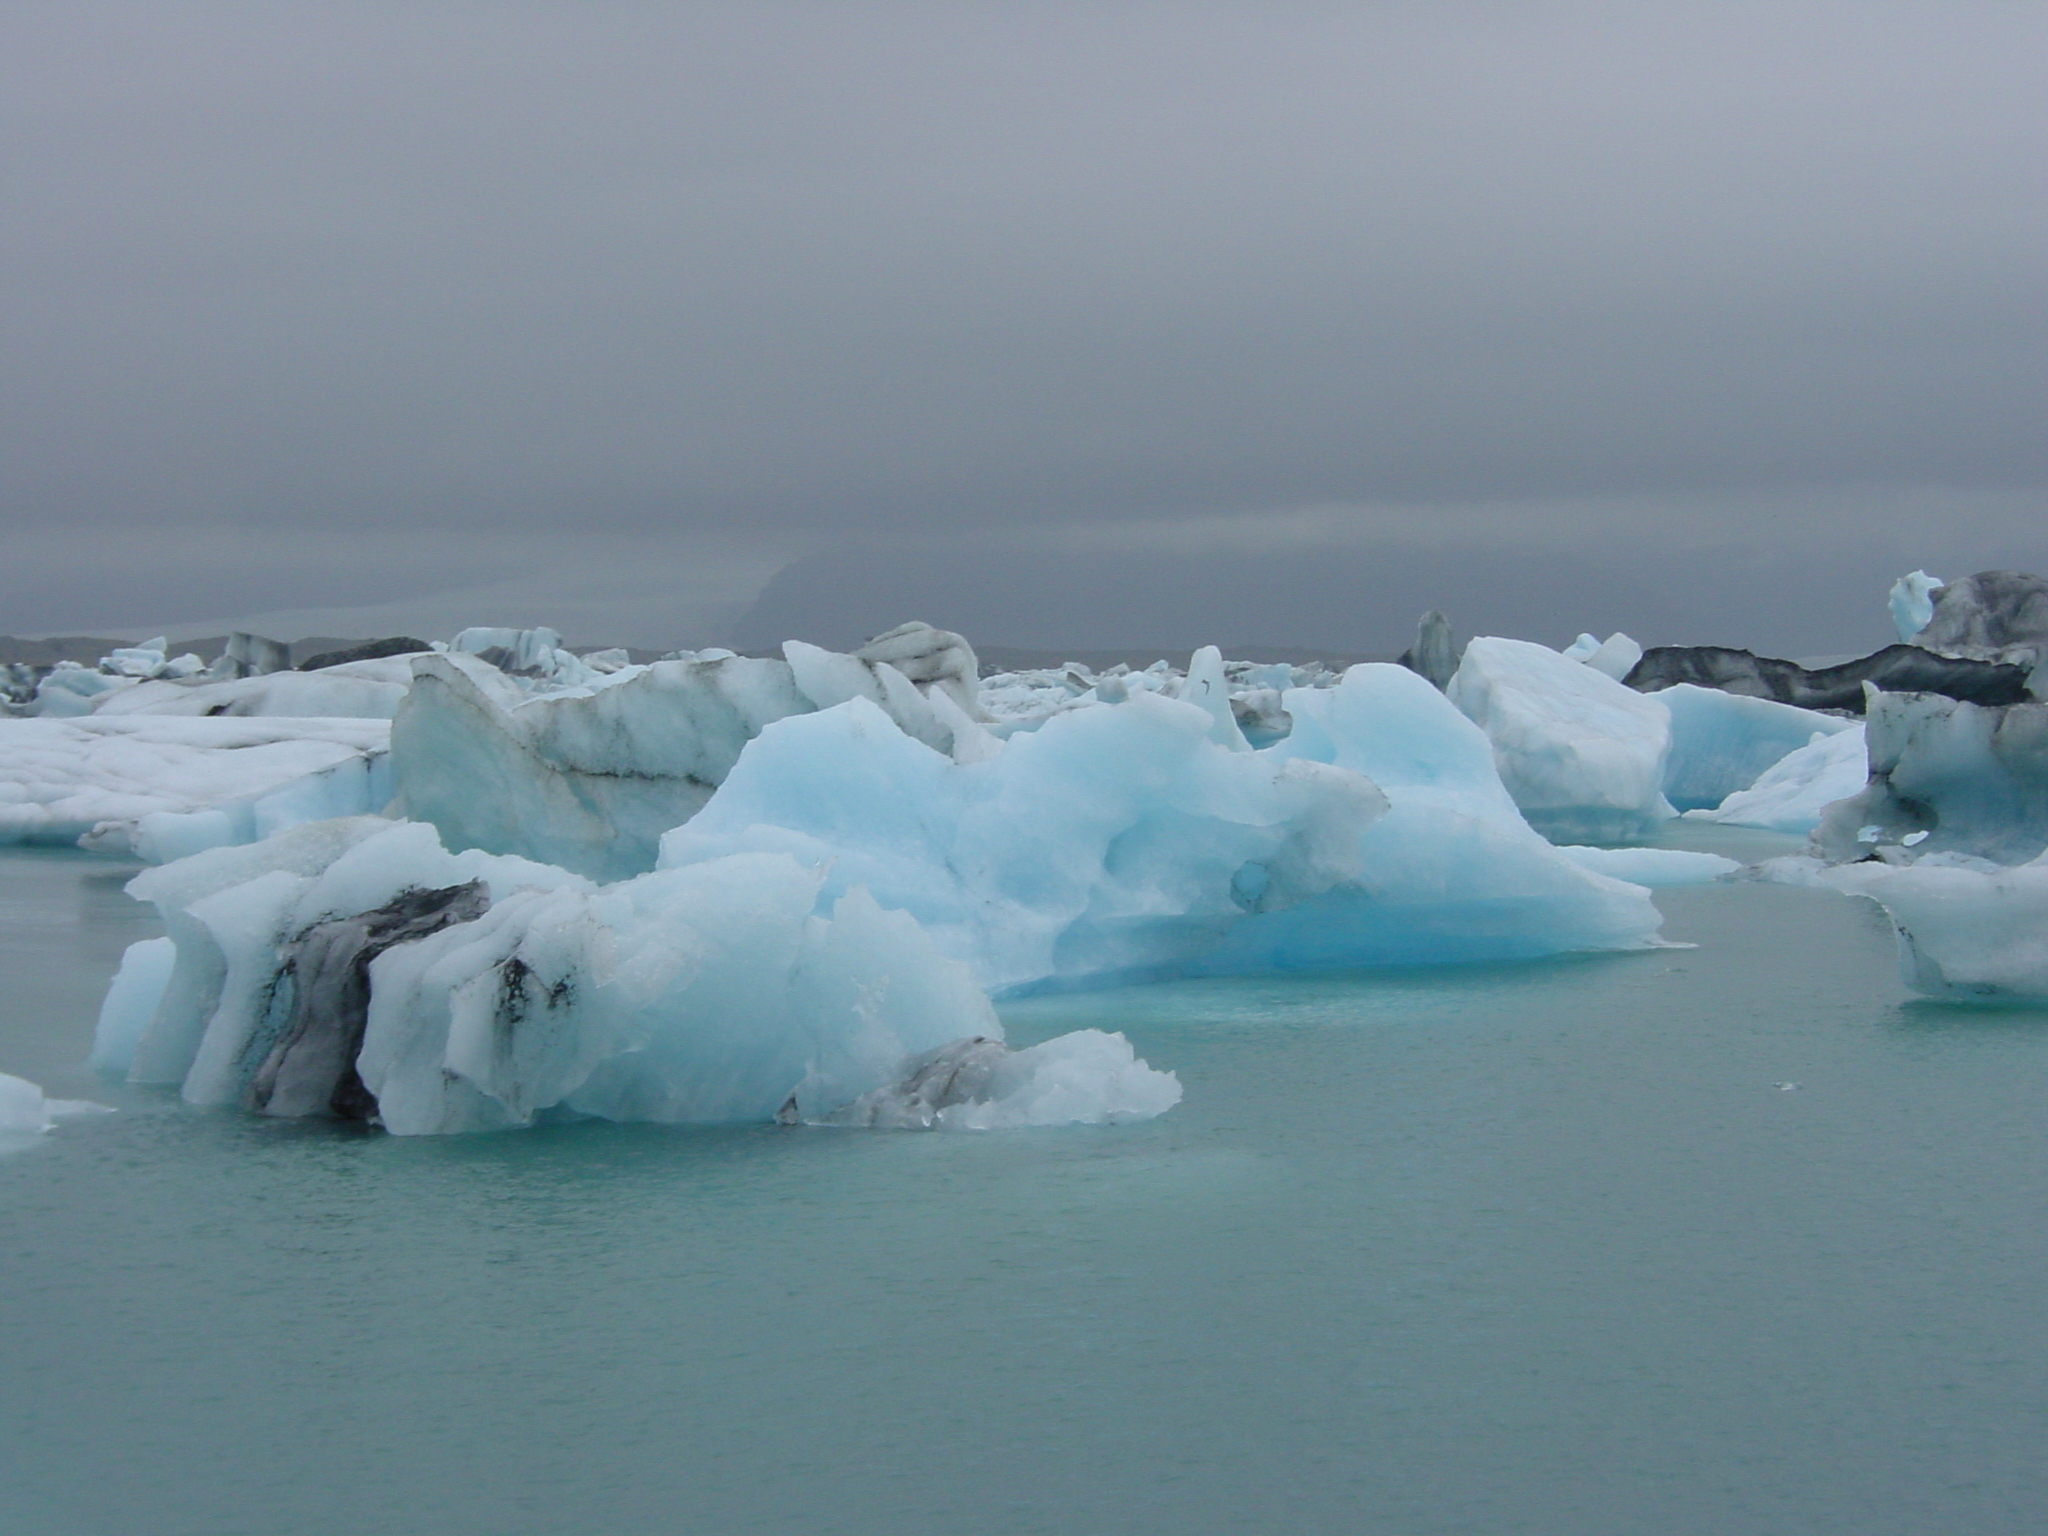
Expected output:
(1535, 1249)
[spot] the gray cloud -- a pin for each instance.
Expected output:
(759, 280)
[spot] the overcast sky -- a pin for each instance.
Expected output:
(1061, 324)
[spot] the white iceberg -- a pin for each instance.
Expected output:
(1582, 755)
(1968, 931)
(356, 968)
(25, 1114)
(590, 778)
(126, 781)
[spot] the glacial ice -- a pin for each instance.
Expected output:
(127, 780)
(1896, 668)
(1582, 755)
(1967, 930)
(1972, 780)
(590, 778)
(356, 968)
(1722, 743)
(25, 1114)
(364, 690)
(1995, 616)
(1912, 603)
(1792, 794)
(1128, 841)
(977, 1084)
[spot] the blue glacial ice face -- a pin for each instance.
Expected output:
(1126, 840)
(1582, 755)
(1722, 743)
(1968, 931)
(1912, 602)
(1112, 841)
(1794, 793)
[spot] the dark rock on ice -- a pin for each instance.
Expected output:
(1991, 616)
(958, 1073)
(1435, 652)
(1895, 669)
(310, 1066)
(369, 650)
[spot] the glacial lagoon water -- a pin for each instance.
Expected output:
(1546, 1249)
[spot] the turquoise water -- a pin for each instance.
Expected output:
(1538, 1249)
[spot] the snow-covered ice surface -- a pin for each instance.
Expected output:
(1792, 794)
(133, 777)
(369, 690)
(1583, 756)
(357, 968)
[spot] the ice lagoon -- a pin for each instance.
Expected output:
(1544, 1247)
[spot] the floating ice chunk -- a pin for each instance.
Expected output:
(1083, 1078)
(69, 690)
(1975, 779)
(934, 659)
(131, 1003)
(63, 779)
(1967, 932)
(1998, 616)
(1582, 647)
(1792, 794)
(25, 1114)
(1582, 755)
(1722, 743)
(1653, 867)
(1452, 872)
(135, 660)
(358, 969)
(1110, 841)
(1912, 602)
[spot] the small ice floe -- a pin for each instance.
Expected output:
(25, 1114)
(978, 1084)
(1786, 1087)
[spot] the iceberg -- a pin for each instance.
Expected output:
(977, 1084)
(1912, 603)
(1793, 794)
(125, 781)
(1967, 931)
(1128, 841)
(357, 969)
(25, 1114)
(1945, 777)
(1896, 668)
(1582, 755)
(1115, 841)
(1722, 743)
(1993, 616)
(590, 778)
